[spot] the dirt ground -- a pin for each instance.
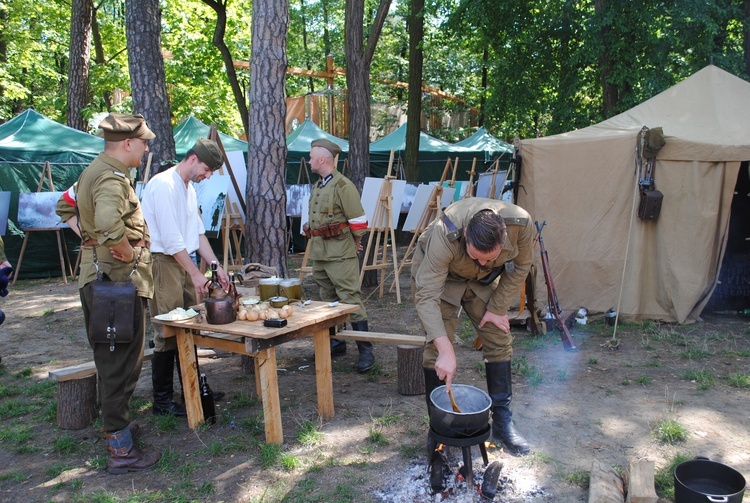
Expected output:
(594, 404)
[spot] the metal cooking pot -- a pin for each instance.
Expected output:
(473, 418)
(702, 481)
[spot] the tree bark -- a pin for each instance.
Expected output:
(609, 90)
(358, 61)
(266, 228)
(99, 57)
(78, 64)
(414, 100)
(147, 81)
(220, 7)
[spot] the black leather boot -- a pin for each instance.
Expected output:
(431, 381)
(338, 346)
(366, 358)
(501, 393)
(435, 457)
(162, 378)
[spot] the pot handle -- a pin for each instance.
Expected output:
(701, 458)
(717, 499)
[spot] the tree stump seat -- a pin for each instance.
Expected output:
(408, 353)
(76, 394)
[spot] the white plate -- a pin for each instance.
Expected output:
(178, 314)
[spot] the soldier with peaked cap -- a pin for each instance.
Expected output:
(475, 257)
(335, 227)
(170, 207)
(111, 223)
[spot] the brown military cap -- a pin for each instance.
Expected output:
(328, 145)
(209, 153)
(117, 127)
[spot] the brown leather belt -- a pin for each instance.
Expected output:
(133, 242)
(343, 225)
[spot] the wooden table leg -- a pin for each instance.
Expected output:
(189, 371)
(270, 394)
(323, 375)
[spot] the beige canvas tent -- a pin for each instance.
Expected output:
(584, 184)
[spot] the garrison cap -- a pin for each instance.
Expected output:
(117, 127)
(333, 148)
(209, 153)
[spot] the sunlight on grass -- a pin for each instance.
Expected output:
(670, 431)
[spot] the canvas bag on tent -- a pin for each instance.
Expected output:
(650, 142)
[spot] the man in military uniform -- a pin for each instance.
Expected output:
(170, 207)
(335, 226)
(476, 257)
(111, 223)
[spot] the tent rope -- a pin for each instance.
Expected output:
(627, 245)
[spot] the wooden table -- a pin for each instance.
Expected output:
(253, 339)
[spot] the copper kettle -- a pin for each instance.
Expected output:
(221, 305)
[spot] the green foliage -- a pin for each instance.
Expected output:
(664, 477)
(739, 380)
(308, 434)
(269, 454)
(703, 378)
(670, 431)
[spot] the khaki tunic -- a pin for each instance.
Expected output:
(337, 201)
(109, 209)
(446, 278)
(335, 264)
(3, 258)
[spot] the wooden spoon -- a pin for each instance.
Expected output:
(453, 402)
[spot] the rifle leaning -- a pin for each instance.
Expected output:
(568, 342)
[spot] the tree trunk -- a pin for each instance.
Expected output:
(414, 101)
(220, 7)
(78, 64)
(746, 36)
(147, 82)
(265, 231)
(609, 90)
(99, 57)
(358, 60)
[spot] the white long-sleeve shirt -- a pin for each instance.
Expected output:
(171, 211)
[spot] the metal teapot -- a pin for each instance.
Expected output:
(221, 305)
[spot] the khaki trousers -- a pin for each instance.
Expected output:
(173, 288)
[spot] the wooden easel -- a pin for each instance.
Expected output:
(46, 175)
(381, 229)
(233, 227)
(470, 192)
(495, 169)
(428, 216)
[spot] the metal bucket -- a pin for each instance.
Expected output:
(703, 481)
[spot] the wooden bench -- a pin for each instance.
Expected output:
(408, 354)
(76, 393)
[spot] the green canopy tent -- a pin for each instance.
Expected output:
(492, 147)
(298, 145)
(433, 155)
(190, 129)
(26, 142)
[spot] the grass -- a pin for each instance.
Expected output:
(739, 380)
(695, 354)
(670, 431)
(664, 477)
(703, 378)
(270, 454)
(308, 434)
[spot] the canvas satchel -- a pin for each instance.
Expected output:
(112, 315)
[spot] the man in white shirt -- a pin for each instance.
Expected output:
(170, 207)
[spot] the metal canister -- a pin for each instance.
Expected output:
(268, 287)
(291, 289)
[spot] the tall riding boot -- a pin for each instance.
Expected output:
(124, 457)
(338, 346)
(366, 358)
(501, 393)
(435, 457)
(431, 381)
(162, 378)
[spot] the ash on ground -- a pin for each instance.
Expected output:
(412, 485)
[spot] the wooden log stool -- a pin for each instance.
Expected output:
(76, 396)
(410, 373)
